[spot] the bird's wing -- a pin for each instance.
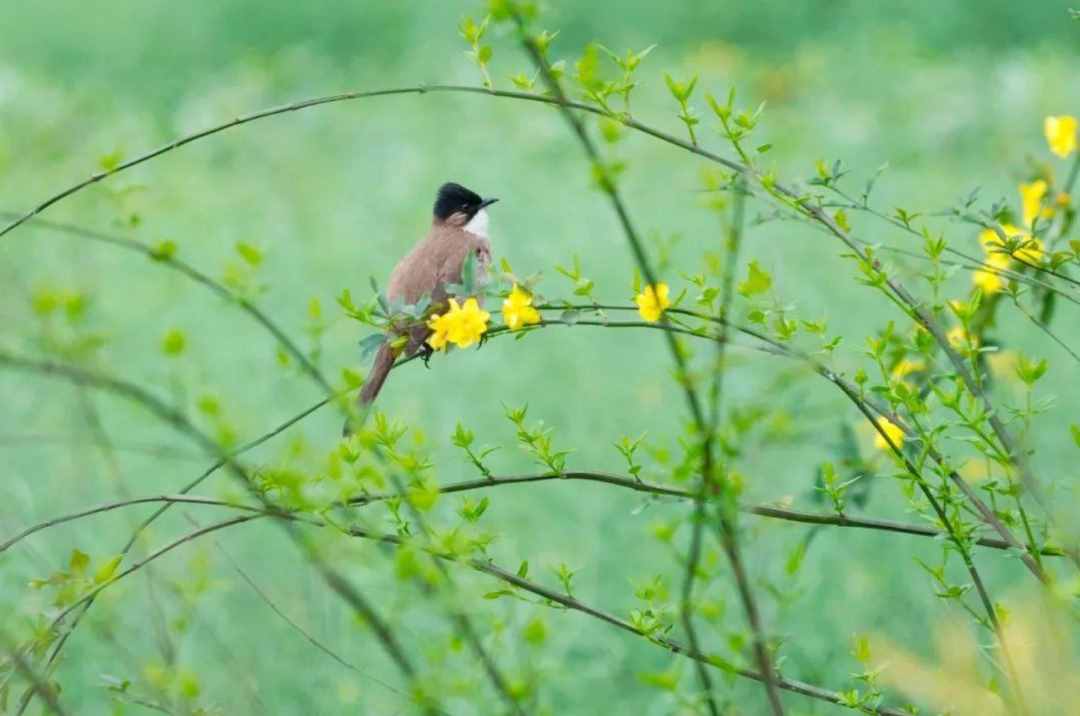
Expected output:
(416, 274)
(434, 263)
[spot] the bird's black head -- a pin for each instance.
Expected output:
(456, 199)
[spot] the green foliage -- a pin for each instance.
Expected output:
(264, 225)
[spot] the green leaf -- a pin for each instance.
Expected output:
(861, 649)
(841, 220)
(370, 344)
(1028, 370)
(352, 379)
(462, 437)
(522, 81)
(535, 632)
(163, 250)
(79, 561)
(523, 569)
(250, 253)
(109, 162)
(795, 558)
(106, 571)
(757, 281)
(1075, 430)
(174, 342)
(666, 680)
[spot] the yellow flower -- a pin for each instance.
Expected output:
(462, 325)
(440, 326)
(1061, 134)
(894, 431)
(1031, 198)
(1030, 250)
(652, 301)
(906, 367)
(469, 323)
(518, 310)
(990, 279)
(960, 339)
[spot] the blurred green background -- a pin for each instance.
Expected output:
(951, 95)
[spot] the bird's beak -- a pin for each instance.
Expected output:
(487, 202)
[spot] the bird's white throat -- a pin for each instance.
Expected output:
(478, 225)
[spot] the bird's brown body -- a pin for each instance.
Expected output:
(437, 261)
(427, 270)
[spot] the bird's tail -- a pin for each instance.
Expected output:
(384, 362)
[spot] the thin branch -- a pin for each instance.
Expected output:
(495, 571)
(727, 528)
(965, 554)
(262, 595)
(38, 685)
(194, 274)
(461, 619)
(174, 418)
(629, 483)
(979, 264)
(109, 506)
(674, 647)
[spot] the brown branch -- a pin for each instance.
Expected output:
(177, 420)
(727, 530)
(769, 511)
(461, 619)
(495, 571)
(262, 595)
(195, 275)
(38, 685)
(671, 645)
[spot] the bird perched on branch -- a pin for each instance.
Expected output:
(459, 229)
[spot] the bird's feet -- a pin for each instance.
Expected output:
(426, 351)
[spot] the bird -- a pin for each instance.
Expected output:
(459, 229)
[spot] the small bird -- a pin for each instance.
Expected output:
(459, 228)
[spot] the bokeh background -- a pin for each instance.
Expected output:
(950, 95)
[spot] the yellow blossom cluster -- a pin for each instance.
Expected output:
(1035, 206)
(462, 325)
(518, 310)
(653, 301)
(1029, 251)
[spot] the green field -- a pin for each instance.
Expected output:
(951, 99)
